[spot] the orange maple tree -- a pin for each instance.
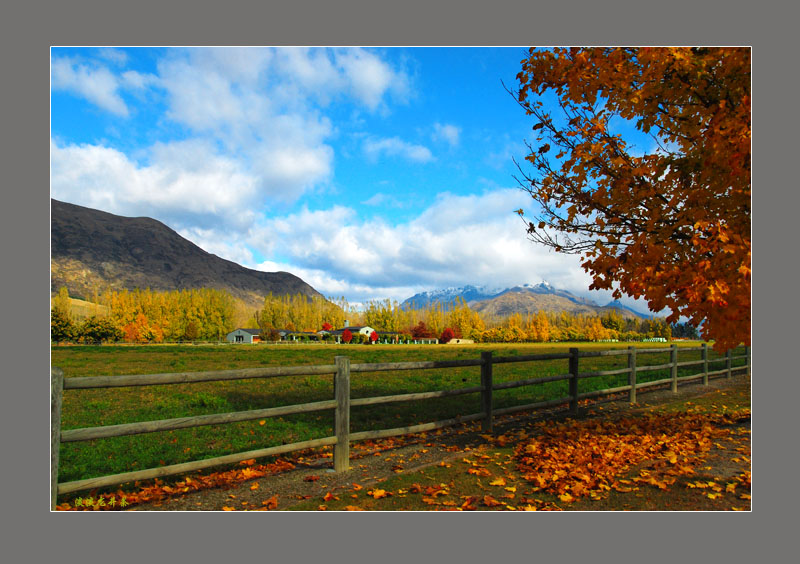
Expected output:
(671, 225)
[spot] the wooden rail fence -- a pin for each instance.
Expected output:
(342, 403)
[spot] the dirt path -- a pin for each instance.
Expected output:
(314, 478)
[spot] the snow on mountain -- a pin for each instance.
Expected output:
(524, 298)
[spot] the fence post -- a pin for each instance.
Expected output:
(341, 389)
(728, 363)
(56, 389)
(749, 354)
(573, 382)
(632, 374)
(486, 394)
(673, 359)
(704, 356)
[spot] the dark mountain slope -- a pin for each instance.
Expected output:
(94, 250)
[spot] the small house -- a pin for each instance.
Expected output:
(337, 333)
(244, 336)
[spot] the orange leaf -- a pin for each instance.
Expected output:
(352, 508)
(311, 478)
(498, 482)
(329, 496)
(262, 422)
(226, 508)
(271, 503)
(377, 493)
(489, 501)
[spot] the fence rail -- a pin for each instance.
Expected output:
(342, 403)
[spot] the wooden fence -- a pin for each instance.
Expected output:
(342, 403)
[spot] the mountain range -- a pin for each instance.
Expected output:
(92, 250)
(524, 299)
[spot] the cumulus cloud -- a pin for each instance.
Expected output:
(116, 56)
(446, 132)
(256, 131)
(369, 77)
(261, 104)
(473, 239)
(95, 84)
(183, 183)
(396, 147)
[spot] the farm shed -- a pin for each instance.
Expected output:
(244, 336)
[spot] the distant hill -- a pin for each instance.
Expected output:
(522, 299)
(93, 249)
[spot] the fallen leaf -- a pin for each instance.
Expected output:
(377, 493)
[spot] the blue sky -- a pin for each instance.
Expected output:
(371, 173)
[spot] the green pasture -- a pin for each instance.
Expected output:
(89, 408)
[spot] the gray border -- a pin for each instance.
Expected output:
(32, 28)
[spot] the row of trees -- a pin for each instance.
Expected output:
(207, 314)
(148, 316)
(298, 313)
(542, 326)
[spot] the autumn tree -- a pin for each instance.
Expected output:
(192, 331)
(62, 328)
(447, 336)
(464, 321)
(669, 223)
(347, 336)
(421, 331)
(99, 329)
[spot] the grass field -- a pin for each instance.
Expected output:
(88, 408)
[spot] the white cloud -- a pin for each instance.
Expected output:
(381, 199)
(258, 106)
(137, 81)
(458, 240)
(183, 183)
(369, 77)
(396, 147)
(446, 132)
(98, 85)
(116, 56)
